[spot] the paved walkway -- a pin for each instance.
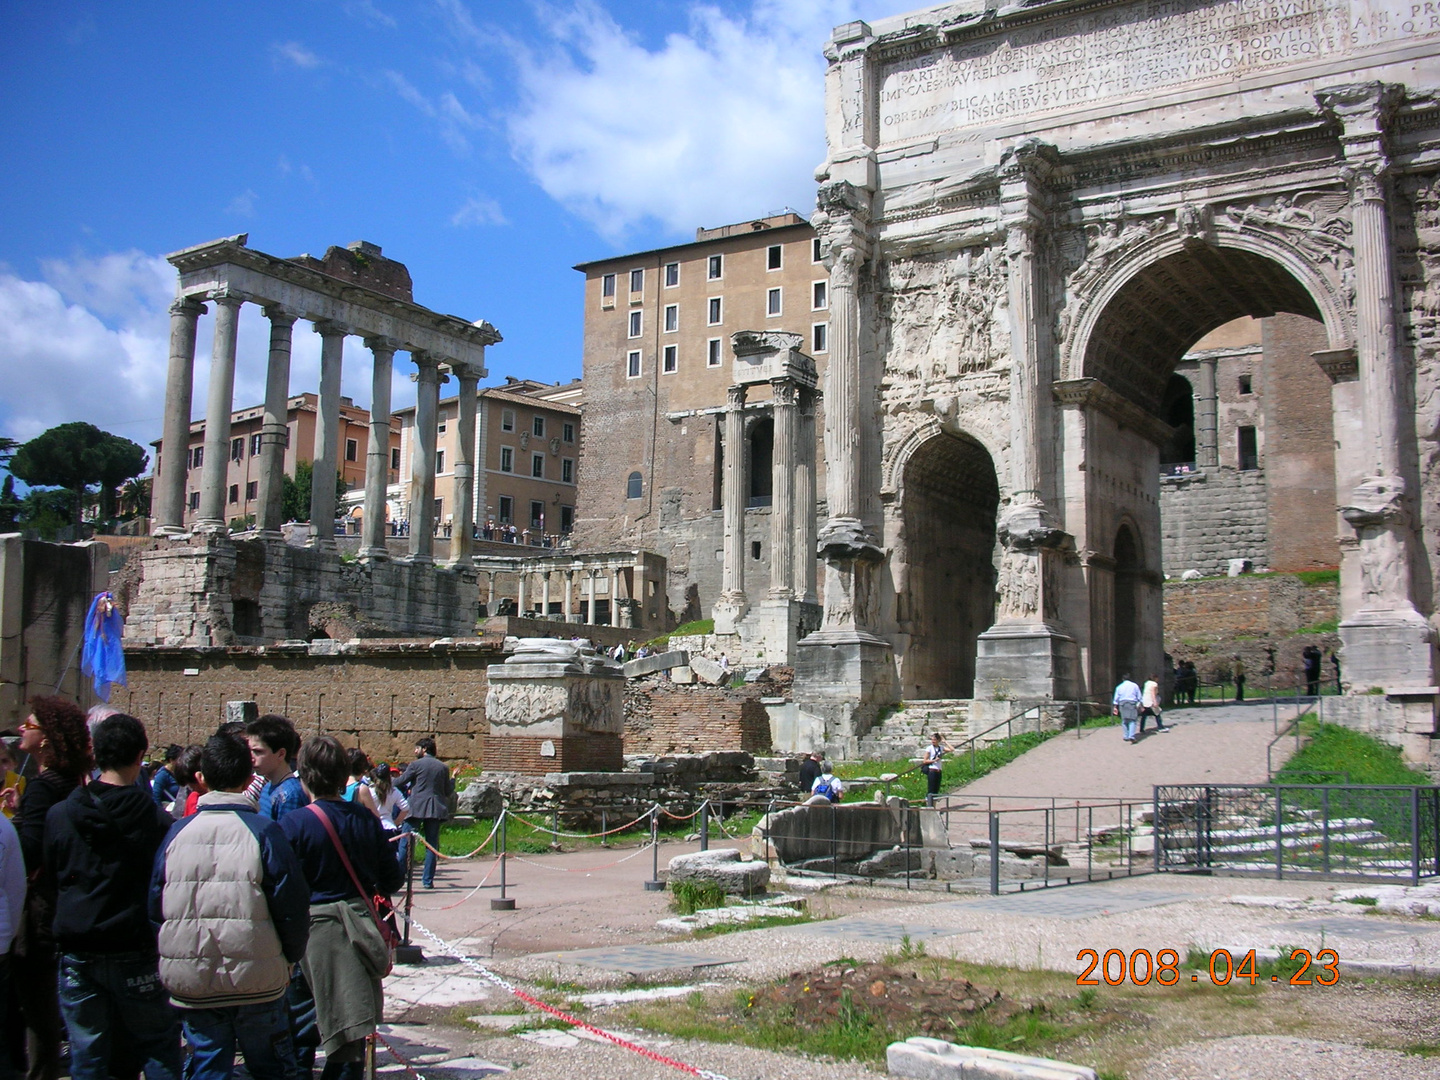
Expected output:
(1209, 744)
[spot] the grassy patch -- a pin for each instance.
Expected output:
(764, 922)
(1363, 901)
(1318, 577)
(959, 769)
(1328, 627)
(1335, 749)
(688, 897)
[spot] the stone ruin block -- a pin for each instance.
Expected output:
(722, 867)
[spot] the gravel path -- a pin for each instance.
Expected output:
(1278, 1057)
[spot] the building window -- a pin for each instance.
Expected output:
(507, 420)
(816, 255)
(1249, 451)
(672, 356)
(632, 364)
(715, 268)
(713, 312)
(772, 302)
(252, 490)
(636, 323)
(568, 432)
(194, 500)
(395, 458)
(439, 461)
(1245, 384)
(607, 287)
(507, 459)
(672, 275)
(537, 427)
(352, 450)
(820, 337)
(567, 470)
(197, 459)
(234, 494)
(254, 445)
(755, 550)
(440, 428)
(537, 514)
(672, 318)
(567, 519)
(439, 511)
(773, 257)
(237, 449)
(637, 281)
(537, 466)
(507, 510)
(820, 296)
(634, 486)
(712, 352)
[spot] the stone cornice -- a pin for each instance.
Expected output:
(1339, 365)
(1094, 394)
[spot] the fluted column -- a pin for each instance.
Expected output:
(327, 435)
(545, 594)
(1207, 443)
(274, 426)
(462, 536)
(782, 486)
(377, 450)
(218, 408)
(731, 606)
(520, 577)
(803, 553)
(422, 465)
(490, 593)
(614, 597)
(569, 605)
(169, 493)
(590, 597)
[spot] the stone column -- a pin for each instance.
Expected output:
(614, 597)
(590, 597)
(327, 435)
(169, 493)
(1386, 642)
(520, 576)
(1026, 654)
(490, 594)
(377, 452)
(462, 535)
(568, 607)
(803, 553)
(731, 607)
(1207, 442)
(545, 594)
(274, 427)
(422, 465)
(215, 469)
(782, 484)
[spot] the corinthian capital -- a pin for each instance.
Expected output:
(1363, 111)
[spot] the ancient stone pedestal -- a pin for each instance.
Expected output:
(554, 707)
(1026, 661)
(844, 681)
(775, 627)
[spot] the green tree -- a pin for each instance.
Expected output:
(7, 450)
(76, 455)
(295, 492)
(9, 506)
(45, 511)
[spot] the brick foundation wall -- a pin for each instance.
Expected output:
(663, 719)
(380, 696)
(575, 753)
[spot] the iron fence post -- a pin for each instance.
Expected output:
(1435, 819)
(994, 853)
(503, 902)
(1325, 830)
(654, 884)
(705, 825)
(1279, 838)
(1414, 837)
(834, 846)
(1156, 840)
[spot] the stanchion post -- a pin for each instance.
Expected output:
(405, 952)
(994, 853)
(654, 884)
(705, 825)
(503, 902)
(370, 1056)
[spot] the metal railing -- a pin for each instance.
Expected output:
(1365, 831)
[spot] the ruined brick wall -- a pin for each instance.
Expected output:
(667, 719)
(381, 697)
(527, 755)
(1208, 518)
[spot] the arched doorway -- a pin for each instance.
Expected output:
(1178, 410)
(950, 499)
(1128, 569)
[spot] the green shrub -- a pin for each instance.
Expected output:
(692, 896)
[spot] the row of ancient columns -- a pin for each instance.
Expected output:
(169, 497)
(792, 533)
(568, 596)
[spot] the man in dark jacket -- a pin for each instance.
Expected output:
(101, 843)
(427, 784)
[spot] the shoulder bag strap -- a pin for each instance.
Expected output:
(349, 868)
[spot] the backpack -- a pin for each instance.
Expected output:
(824, 787)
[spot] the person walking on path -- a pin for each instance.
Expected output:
(427, 785)
(1311, 656)
(933, 763)
(233, 909)
(347, 863)
(1238, 671)
(1126, 705)
(100, 843)
(810, 769)
(1150, 706)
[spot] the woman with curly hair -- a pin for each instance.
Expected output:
(56, 734)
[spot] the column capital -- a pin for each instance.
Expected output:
(227, 298)
(1366, 179)
(280, 316)
(385, 345)
(189, 306)
(1364, 112)
(426, 361)
(785, 390)
(735, 396)
(326, 328)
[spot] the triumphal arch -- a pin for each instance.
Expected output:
(1029, 214)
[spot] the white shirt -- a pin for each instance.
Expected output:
(1150, 698)
(834, 781)
(12, 883)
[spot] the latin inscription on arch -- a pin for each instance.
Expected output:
(1129, 51)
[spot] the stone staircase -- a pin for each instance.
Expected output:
(1242, 841)
(905, 732)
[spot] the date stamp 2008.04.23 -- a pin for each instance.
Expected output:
(1163, 967)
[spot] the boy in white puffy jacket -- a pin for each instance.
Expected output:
(233, 911)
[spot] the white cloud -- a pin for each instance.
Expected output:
(243, 205)
(368, 13)
(715, 125)
(478, 210)
(451, 118)
(292, 52)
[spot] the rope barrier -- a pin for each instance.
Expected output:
(400, 1058)
(440, 854)
(468, 895)
(579, 836)
(582, 869)
(504, 984)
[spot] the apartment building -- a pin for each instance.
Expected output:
(527, 446)
(242, 492)
(657, 366)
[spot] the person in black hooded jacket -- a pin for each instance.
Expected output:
(100, 844)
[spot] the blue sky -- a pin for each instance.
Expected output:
(488, 145)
